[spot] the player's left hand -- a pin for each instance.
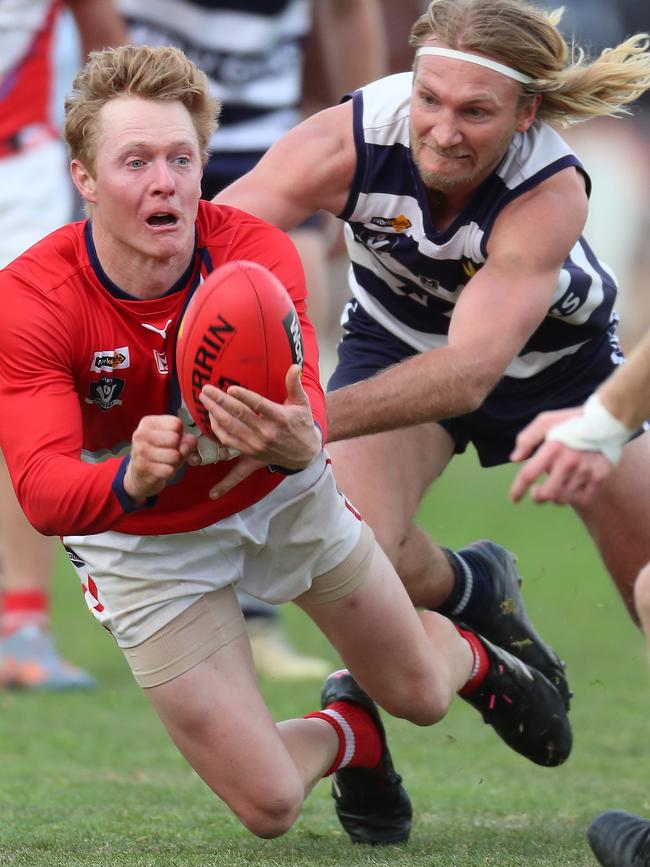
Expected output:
(262, 430)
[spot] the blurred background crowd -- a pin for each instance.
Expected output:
(271, 62)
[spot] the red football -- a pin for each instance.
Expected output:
(240, 328)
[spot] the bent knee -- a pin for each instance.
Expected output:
(271, 815)
(423, 704)
(642, 597)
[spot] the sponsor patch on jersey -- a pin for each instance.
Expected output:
(110, 359)
(161, 361)
(106, 392)
(399, 223)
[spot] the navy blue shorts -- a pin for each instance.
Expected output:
(367, 348)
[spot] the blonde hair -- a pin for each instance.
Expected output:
(163, 73)
(527, 39)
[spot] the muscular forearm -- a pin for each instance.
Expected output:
(626, 394)
(427, 387)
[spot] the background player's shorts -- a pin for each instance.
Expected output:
(368, 348)
(135, 585)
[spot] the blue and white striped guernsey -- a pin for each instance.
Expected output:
(251, 50)
(408, 275)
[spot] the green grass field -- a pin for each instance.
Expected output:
(92, 779)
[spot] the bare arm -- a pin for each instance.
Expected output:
(353, 43)
(99, 24)
(310, 168)
(626, 394)
(508, 297)
(583, 454)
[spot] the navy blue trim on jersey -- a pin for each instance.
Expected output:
(112, 288)
(534, 181)
(357, 184)
(126, 500)
(174, 385)
(598, 266)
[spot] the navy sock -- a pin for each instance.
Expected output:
(472, 588)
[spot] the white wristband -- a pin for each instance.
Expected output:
(596, 430)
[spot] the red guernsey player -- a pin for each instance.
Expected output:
(91, 427)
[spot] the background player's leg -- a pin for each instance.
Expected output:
(385, 476)
(28, 657)
(617, 518)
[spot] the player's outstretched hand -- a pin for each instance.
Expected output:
(572, 476)
(264, 432)
(158, 448)
(534, 434)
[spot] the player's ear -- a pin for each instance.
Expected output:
(83, 181)
(529, 113)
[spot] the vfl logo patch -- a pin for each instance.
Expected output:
(292, 328)
(110, 359)
(106, 392)
(399, 223)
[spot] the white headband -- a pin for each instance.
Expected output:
(479, 60)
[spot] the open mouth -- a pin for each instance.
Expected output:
(162, 219)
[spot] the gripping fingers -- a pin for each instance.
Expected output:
(155, 455)
(231, 419)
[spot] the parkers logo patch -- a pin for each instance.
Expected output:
(110, 359)
(399, 223)
(106, 392)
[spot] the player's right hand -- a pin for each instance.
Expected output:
(158, 448)
(572, 476)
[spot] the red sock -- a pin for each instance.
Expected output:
(359, 740)
(481, 664)
(21, 608)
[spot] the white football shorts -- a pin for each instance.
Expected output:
(273, 550)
